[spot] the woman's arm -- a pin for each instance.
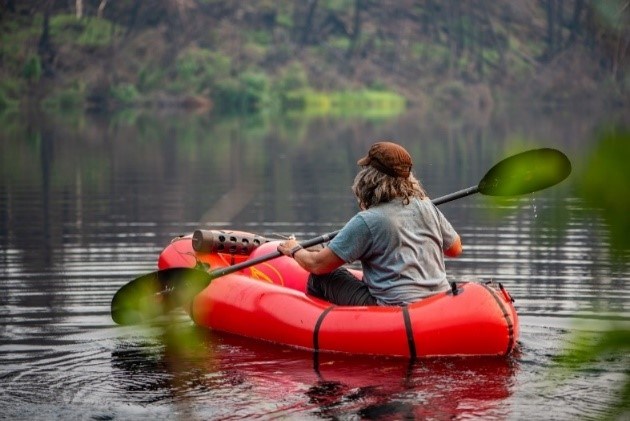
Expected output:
(314, 261)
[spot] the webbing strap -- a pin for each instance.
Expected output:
(317, 326)
(410, 341)
(506, 316)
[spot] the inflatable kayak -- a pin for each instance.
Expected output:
(267, 301)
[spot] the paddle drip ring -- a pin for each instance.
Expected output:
(214, 241)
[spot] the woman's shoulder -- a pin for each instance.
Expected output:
(425, 205)
(422, 202)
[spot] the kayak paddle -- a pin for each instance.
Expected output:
(156, 293)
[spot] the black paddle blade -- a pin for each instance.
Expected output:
(155, 294)
(526, 172)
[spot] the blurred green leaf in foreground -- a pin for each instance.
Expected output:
(603, 186)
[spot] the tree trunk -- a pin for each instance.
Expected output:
(79, 8)
(133, 16)
(356, 29)
(101, 8)
(44, 47)
(560, 23)
(575, 25)
(554, 26)
(453, 33)
(308, 23)
(500, 44)
(550, 24)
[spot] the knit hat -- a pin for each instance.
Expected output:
(389, 158)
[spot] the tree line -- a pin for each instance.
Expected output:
(360, 41)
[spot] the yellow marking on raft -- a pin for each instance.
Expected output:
(261, 276)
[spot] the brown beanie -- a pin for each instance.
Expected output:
(389, 158)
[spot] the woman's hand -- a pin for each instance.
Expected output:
(289, 247)
(321, 260)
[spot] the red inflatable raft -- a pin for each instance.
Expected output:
(268, 302)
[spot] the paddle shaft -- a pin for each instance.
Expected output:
(326, 237)
(457, 195)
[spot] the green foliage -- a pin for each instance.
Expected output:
(4, 102)
(417, 50)
(150, 78)
(519, 64)
(97, 33)
(593, 348)
(449, 92)
(365, 102)
(199, 69)
(611, 13)
(378, 85)
(604, 184)
(430, 55)
(338, 5)
(256, 85)
(16, 44)
(254, 52)
(32, 69)
(247, 93)
(491, 55)
(228, 96)
(87, 31)
(66, 99)
(258, 37)
(293, 77)
(284, 19)
(11, 89)
(126, 93)
(427, 56)
(341, 43)
(463, 62)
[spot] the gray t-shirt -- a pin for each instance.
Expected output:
(400, 248)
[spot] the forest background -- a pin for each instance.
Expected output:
(236, 56)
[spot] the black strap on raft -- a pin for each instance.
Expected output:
(318, 324)
(408, 329)
(410, 341)
(506, 315)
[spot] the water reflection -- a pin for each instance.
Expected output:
(247, 375)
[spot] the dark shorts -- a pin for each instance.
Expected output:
(340, 287)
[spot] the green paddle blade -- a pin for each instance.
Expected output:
(526, 172)
(155, 294)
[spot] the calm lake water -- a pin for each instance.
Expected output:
(87, 204)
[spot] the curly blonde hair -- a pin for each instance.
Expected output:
(372, 187)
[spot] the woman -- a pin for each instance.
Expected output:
(399, 237)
